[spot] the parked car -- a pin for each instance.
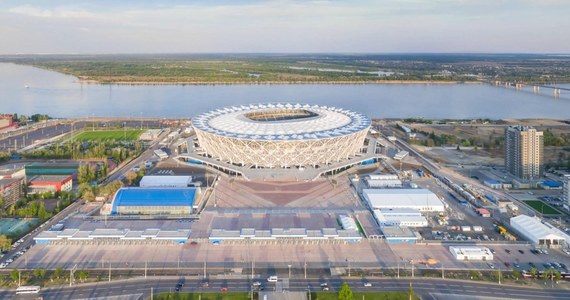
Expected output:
(367, 284)
(272, 278)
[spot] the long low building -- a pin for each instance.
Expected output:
(282, 234)
(50, 183)
(539, 233)
(165, 181)
(395, 234)
(471, 253)
(176, 236)
(420, 199)
(385, 218)
(154, 201)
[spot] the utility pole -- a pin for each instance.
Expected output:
(204, 269)
(442, 272)
(398, 269)
(109, 271)
(145, 266)
(305, 268)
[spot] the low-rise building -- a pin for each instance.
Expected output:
(165, 181)
(50, 183)
(550, 185)
(420, 199)
(395, 234)
(154, 201)
(539, 232)
(471, 253)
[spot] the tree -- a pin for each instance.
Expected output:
(5, 242)
(15, 275)
(83, 275)
(37, 273)
(131, 177)
(58, 272)
(43, 273)
(345, 293)
(517, 274)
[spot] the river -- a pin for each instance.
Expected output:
(28, 90)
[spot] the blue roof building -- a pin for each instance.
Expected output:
(550, 185)
(153, 201)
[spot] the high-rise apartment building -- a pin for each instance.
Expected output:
(524, 152)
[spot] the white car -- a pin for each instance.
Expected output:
(256, 283)
(367, 284)
(272, 278)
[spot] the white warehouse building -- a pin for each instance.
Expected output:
(400, 220)
(471, 253)
(166, 181)
(539, 233)
(421, 199)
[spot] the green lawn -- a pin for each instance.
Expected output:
(205, 296)
(542, 207)
(365, 296)
(109, 135)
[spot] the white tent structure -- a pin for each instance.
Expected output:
(537, 232)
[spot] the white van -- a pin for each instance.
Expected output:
(272, 278)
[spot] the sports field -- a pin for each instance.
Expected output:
(542, 207)
(108, 135)
(15, 227)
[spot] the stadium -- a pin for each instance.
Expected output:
(281, 135)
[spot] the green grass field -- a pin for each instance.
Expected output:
(203, 296)
(542, 207)
(108, 135)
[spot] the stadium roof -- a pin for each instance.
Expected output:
(154, 197)
(324, 122)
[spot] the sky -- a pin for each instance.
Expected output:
(284, 26)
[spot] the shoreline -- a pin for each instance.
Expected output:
(437, 82)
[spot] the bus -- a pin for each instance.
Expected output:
(34, 289)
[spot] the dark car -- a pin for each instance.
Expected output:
(205, 284)
(521, 252)
(508, 251)
(532, 265)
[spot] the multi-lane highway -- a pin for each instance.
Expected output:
(426, 288)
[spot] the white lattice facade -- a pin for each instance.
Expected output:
(281, 135)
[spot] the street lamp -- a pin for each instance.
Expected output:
(289, 271)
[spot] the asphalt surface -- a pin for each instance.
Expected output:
(141, 288)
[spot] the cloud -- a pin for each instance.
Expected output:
(286, 26)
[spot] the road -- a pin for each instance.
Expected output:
(141, 288)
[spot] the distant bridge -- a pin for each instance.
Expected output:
(536, 86)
